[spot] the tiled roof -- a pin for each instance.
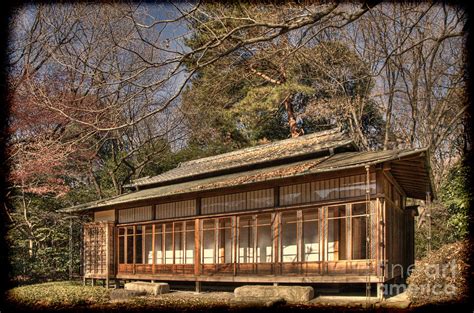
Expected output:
(400, 158)
(278, 152)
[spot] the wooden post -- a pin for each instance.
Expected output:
(143, 244)
(163, 243)
(153, 234)
(348, 231)
(107, 255)
(198, 286)
(428, 218)
(197, 247)
(125, 246)
(299, 239)
(385, 252)
(134, 246)
(184, 243)
(217, 239)
(324, 234)
(254, 232)
(173, 265)
(274, 226)
(236, 243)
(368, 227)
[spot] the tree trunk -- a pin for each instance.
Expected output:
(295, 131)
(98, 190)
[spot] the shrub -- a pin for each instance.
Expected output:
(57, 294)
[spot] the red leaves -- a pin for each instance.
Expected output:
(38, 148)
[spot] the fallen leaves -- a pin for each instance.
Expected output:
(441, 276)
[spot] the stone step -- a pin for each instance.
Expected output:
(288, 293)
(149, 288)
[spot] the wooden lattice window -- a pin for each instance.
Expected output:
(98, 249)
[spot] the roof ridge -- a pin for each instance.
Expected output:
(264, 146)
(253, 156)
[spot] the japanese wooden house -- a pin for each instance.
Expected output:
(312, 209)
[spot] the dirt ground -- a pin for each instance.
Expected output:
(225, 301)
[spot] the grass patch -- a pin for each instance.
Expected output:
(57, 294)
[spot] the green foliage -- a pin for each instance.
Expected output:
(449, 214)
(238, 100)
(456, 195)
(57, 294)
(260, 114)
(230, 104)
(440, 232)
(39, 240)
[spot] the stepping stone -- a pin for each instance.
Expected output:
(287, 293)
(149, 288)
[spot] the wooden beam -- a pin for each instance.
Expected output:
(409, 174)
(409, 164)
(342, 278)
(394, 182)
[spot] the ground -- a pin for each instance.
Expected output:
(73, 297)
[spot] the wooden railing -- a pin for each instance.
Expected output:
(341, 267)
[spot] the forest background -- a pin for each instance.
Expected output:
(104, 94)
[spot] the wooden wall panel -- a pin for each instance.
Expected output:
(104, 216)
(259, 199)
(235, 202)
(175, 209)
(242, 201)
(135, 214)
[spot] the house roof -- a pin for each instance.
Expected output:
(412, 164)
(275, 153)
